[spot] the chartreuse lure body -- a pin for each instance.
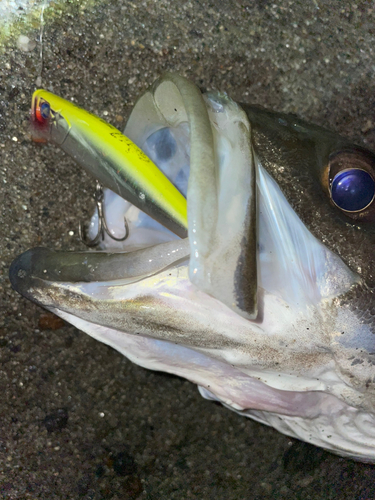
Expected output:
(111, 157)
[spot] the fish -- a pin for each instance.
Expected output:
(268, 305)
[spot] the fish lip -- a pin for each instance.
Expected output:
(23, 276)
(41, 269)
(19, 272)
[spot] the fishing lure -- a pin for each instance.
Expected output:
(111, 157)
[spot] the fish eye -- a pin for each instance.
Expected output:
(43, 111)
(351, 183)
(353, 189)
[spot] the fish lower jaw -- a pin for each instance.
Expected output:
(314, 416)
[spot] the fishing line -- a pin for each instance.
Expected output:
(39, 78)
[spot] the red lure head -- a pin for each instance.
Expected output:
(40, 119)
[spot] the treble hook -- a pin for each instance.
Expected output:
(102, 223)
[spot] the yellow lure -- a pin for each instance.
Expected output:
(110, 157)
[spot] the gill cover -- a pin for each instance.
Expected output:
(222, 186)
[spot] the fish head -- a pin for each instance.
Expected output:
(268, 305)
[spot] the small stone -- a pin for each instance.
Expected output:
(124, 464)
(267, 487)
(368, 126)
(49, 321)
(56, 420)
(24, 43)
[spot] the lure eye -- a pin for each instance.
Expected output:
(353, 189)
(42, 111)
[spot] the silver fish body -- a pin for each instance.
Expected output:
(269, 304)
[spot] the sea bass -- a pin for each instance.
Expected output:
(269, 304)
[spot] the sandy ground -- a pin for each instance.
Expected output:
(77, 419)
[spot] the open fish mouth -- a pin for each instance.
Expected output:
(268, 305)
